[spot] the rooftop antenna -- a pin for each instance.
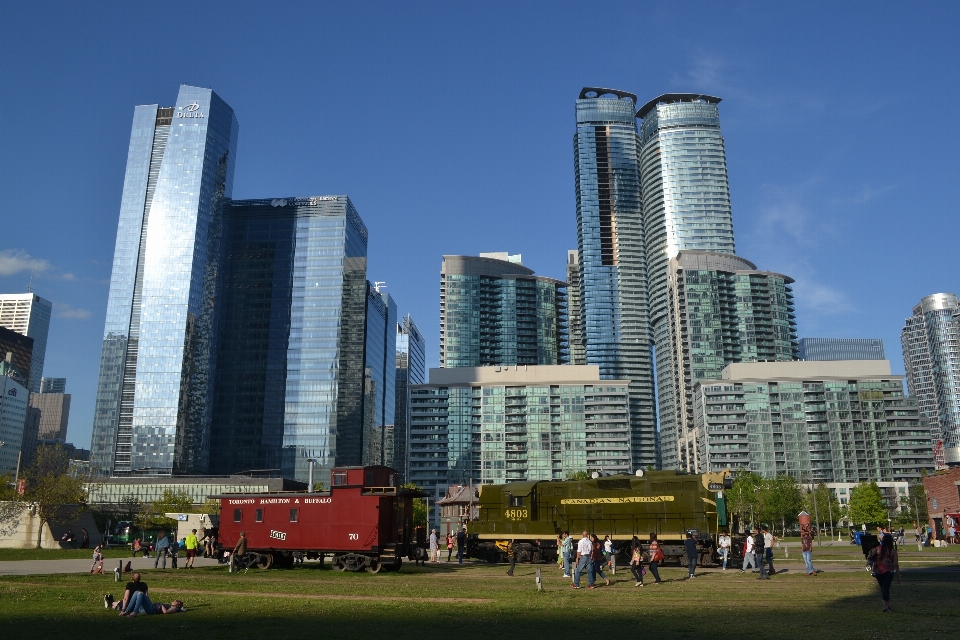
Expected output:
(30, 286)
(379, 285)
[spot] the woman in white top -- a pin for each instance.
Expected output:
(724, 547)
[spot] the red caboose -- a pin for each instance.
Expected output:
(365, 521)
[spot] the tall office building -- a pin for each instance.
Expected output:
(20, 348)
(509, 424)
(495, 311)
(53, 385)
(931, 356)
(28, 314)
(13, 414)
(578, 354)
(411, 368)
(54, 415)
(610, 242)
(153, 406)
(720, 310)
(379, 377)
(841, 349)
(841, 421)
(291, 334)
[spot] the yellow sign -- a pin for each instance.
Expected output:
(617, 500)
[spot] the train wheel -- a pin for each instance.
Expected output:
(339, 564)
(265, 561)
(374, 567)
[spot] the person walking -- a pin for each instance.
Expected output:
(768, 541)
(656, 557)
(97, 566)
(566, 551)
(461, 544)
(806, 550)
(192, 545)
(724, 543)
(690, 547)
(511, 557)
(239, 550)
(434, 546)
(596, 562)
(584, 549)
(749, 557)
(886, 562)
(162, 548)
(449, 546)
(84, 539)
(758, 553)
(609, 555)
(636, 564)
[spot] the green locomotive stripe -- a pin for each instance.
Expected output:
(617, 500)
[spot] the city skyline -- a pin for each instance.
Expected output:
(806, 157)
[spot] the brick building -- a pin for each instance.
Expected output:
(943, 498)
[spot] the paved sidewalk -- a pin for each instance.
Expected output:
(37, 567)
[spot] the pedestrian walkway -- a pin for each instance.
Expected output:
(82, 565)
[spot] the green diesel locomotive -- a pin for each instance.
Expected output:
(667, 503)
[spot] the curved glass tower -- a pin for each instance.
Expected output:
(610, 239)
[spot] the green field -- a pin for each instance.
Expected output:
(480, 601)
(60, 554)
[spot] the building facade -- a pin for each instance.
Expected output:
(578, 354)
(53, 385)
(931, 356)
(379, 377)
(291, 337)
(481, 425)
(841, 421)
(13, 415)
(54, 415)
(614, 310)
(495, 311)
(411, 368)
(20, 348)
(153, 406)
(720, 310)
(841, 349)
(29, 315)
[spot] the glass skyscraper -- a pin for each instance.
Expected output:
(578, 354)
(720, 310)
(931, 356)
(411, 368)
(28, 314)
(610, 242)
(841, 349)
(152, 412)
(379, 377)
(291, 337)
(495, 311)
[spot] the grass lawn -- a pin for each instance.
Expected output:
(59, 554)
(480, 601)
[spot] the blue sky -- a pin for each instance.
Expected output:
(450, 126)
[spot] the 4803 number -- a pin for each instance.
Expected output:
(516, 514)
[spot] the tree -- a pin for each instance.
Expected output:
(419, 507)
(170, 502)
(55, 492)
(743, 498)
(826, 508)
(913, 507)
(781, 499)
(867, 505)
(11, 506)
(578, 475)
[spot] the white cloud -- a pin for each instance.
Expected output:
(820, 298)
(63, 310)
(14, 261)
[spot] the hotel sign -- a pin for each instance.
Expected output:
(191, 110)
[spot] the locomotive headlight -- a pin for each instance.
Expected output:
(639, 473)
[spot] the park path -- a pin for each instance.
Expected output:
(82, 565)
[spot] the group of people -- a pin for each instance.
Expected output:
(460, 539)
(68, 538)
(758, 554)
(136, 601)
(189, 544)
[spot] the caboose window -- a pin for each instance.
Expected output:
(293, 515)
(339, 478)
(259, 515)
(237, 515)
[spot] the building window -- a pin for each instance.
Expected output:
(237, 515)
(293, 515)
(259, 515)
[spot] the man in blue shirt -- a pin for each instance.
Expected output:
(163, 546)
(690, 546)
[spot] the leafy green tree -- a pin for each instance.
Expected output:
(170, 502)
(578, 475)
(743, 499)
(781, 499)
(867, 505)
(57, 494)
(913, 507)
(419, 507)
